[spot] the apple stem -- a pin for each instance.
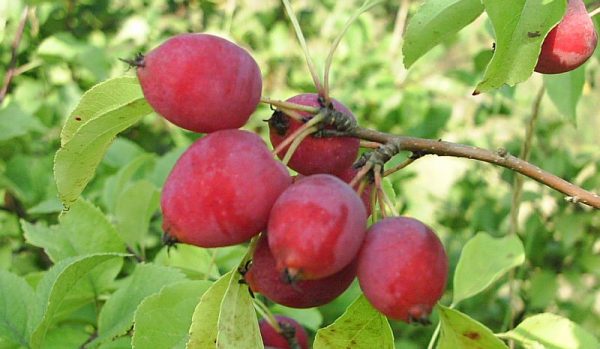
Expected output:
(363, 8)
(266, 314)
(400, 166)
(292, 114)
(315, 120)
(289, 105)
(296, 143)
(302, 41)
(382, 203)
(361, 173)
(434, 336)
(369, 145)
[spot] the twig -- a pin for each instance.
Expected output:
(594, 12)
(364, 7)
(399, 27)
(400, 166)
(92, 336)
(302, 41)
(14, 47)
(290, 105)
(500, 157)
(516, 204)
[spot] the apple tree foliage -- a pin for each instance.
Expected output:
(83, 159)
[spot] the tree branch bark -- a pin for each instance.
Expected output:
(12, 65)
(500, 157)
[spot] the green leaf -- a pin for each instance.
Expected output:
(103, 112)
(194, 261)
(122, 152)
(565, 90)
(114, 185)
(552, 332)
(435, 22)
(461, 332)
(162, 320)
(520, 27)
(116, 317)
(543, 288)
(164, 165)
(50, 205)
(484, 260)
(135, 206)
(82, 230)
(237, 312)
(66, 336)
(203, 331)
(56, 285)
(14, 122)
(361, 326)
(118, 343)
(16, 300)
(60, 45)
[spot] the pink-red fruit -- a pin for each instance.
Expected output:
(221, 190)
(201, 82)
(316, 227)
(570, 43)
(402, 268)
(314, 155)
(347, 176)
(264, 278)
(274, 339)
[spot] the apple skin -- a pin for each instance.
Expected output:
(221, 190)
(570, 43)
(402, 268)
(201, 82)
(276, 340)
(317, 155)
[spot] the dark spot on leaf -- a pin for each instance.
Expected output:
(472, 335)
(534, 34)
(77, 118)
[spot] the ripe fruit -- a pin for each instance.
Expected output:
(316, 227)
(570, 43)
(314, 155)
(402, 268)
(201, 82)
(264, 278)
(274, 339)
(221, 190)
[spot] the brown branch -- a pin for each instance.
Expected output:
(14, 47)
(344, 126)
(500, 157)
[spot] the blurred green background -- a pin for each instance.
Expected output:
(69, 46)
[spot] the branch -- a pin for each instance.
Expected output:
(337, 124)
(10, 73)
(395, 144)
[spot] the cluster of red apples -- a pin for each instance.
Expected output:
(228, 187)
